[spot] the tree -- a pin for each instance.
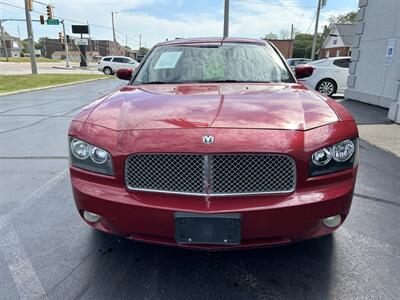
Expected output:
(302, 44)
(284, 34)
(349, 18)
(143, 51)
(25, 46)
(271, 36)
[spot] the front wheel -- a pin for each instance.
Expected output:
(107, 71)
(326, 87)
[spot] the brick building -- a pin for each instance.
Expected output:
(53, 48)
(284, 46)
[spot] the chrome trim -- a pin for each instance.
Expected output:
(211, 195)
(207, 162)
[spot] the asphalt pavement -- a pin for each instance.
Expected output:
(46, 251)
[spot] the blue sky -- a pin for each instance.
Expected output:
(157, 20)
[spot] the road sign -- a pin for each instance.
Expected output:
(83, 42)
(53, 22)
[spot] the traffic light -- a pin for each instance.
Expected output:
(68, 39)
(49, 12)
(60, 37)
(41, 19)
(30, 5)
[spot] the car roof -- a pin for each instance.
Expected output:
(338, 57)
(116, 56)
(207, 40)
(298, 58)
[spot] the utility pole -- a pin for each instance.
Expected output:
(140, 42)
(3, 41)
(30, 38)
(126, 40)
(226, 19)
(113, 27)
(291, 32)
(315, 30)
(90, 40)
(65, 44)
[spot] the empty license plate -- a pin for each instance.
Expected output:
(193, 228)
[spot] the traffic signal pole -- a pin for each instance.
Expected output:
(65, 45)
(30, 37)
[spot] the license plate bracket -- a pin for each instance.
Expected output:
(195, 228)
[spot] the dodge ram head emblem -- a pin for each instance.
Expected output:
(208, 139)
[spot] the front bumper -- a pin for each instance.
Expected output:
(267, 220)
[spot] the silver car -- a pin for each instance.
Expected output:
(111, 64)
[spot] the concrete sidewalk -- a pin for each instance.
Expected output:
(374, 127)
(15, 68)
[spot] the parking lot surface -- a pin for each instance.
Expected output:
(46, 251)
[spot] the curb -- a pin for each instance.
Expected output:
(51, 86)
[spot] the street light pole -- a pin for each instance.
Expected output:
(30, 38)
(226, 18)
(315, 30)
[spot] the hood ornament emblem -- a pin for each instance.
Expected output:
(208, 139)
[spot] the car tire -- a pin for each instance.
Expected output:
(327, 87)
(107, 71)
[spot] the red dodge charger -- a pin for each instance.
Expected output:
(213, 144)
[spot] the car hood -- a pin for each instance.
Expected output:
(258, 106)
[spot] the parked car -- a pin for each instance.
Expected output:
(213, 144)
(327, 76)
(293, 62)
(111, 64)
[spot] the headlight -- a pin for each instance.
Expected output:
(86, 156)
(338, 157)
(322, 157)
(342, 151)
(98, 155)
(80, 149)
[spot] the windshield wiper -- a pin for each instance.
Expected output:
(161, 82)
(232, 80)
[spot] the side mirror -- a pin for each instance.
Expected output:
(124, 74)
(303, 71)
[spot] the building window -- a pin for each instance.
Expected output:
(334, 41)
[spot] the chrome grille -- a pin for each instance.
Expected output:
(213, 174)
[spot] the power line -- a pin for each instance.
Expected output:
(312, 21)
(275, 4)
(45, 4)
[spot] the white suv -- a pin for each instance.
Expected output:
(111, 64)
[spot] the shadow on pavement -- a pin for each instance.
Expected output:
(121, 266)
(366, 114)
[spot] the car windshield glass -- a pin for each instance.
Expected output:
(229, 62)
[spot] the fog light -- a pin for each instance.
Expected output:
(332, 221)
(91, 217)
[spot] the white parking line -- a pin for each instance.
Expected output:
(25, 278)
(21, 269)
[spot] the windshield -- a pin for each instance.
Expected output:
(229, 62)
